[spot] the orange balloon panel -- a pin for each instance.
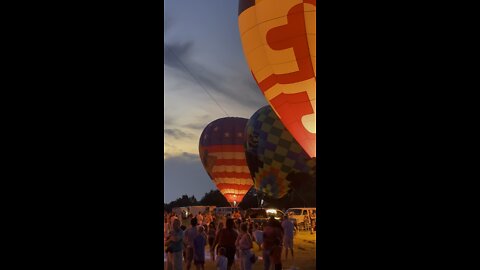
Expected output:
(278, 39)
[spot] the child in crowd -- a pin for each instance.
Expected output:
(221, 262)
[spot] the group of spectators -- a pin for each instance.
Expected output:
(227, 237)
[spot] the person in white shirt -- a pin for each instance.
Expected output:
(244, 245)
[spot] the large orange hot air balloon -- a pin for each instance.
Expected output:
(278, 38)
(222, 152)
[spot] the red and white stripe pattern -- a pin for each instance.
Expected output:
(229, 172)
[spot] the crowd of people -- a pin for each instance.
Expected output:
(230, 241)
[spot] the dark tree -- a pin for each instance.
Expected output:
(214, 197)
(251, 200)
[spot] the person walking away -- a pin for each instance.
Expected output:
(221, 262)
(250, 227)
(208, 218)
(226, 238)
(237, 223)
(199, 244)
(190, 235)
(258, 236)
(244, 244)
(288, 228)
(272, 240)
(313, 222)
(172, 218)
(184, 252)
(276, 255)
(174, 245)
(165, 226)
(180, 217)
(219, 228)
(306, 222)
(212, 232)
(200, 218)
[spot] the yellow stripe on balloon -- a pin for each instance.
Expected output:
(237, 181)
(230, 168)
(228, 155)
(233, 191)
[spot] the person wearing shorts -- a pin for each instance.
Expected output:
(288, 229)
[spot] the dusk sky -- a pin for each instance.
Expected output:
(204, 36)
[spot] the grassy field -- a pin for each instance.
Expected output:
(304, 248)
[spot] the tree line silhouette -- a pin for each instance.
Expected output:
(302, 194)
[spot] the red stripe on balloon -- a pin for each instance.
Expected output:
(313, 2)
(225, 148)
(231, 175)
(231, 162)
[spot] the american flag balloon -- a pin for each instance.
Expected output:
(222, 153)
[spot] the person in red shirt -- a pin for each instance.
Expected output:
(272, 244)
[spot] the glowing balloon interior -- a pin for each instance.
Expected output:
(222, 153)
(278, 39)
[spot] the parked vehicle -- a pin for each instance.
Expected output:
(299, 215)
(223, 211)
(194, 210)
(261, 215)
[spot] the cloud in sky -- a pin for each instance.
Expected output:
(173, 52)
(204, 36)
(177, 133)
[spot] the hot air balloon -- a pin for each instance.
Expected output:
(222, 152)
(275, 159)
(278, 39)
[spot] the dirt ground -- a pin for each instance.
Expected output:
(304, 248)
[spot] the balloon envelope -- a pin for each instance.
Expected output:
(275, 159)
(279, 44)
(222, 152)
